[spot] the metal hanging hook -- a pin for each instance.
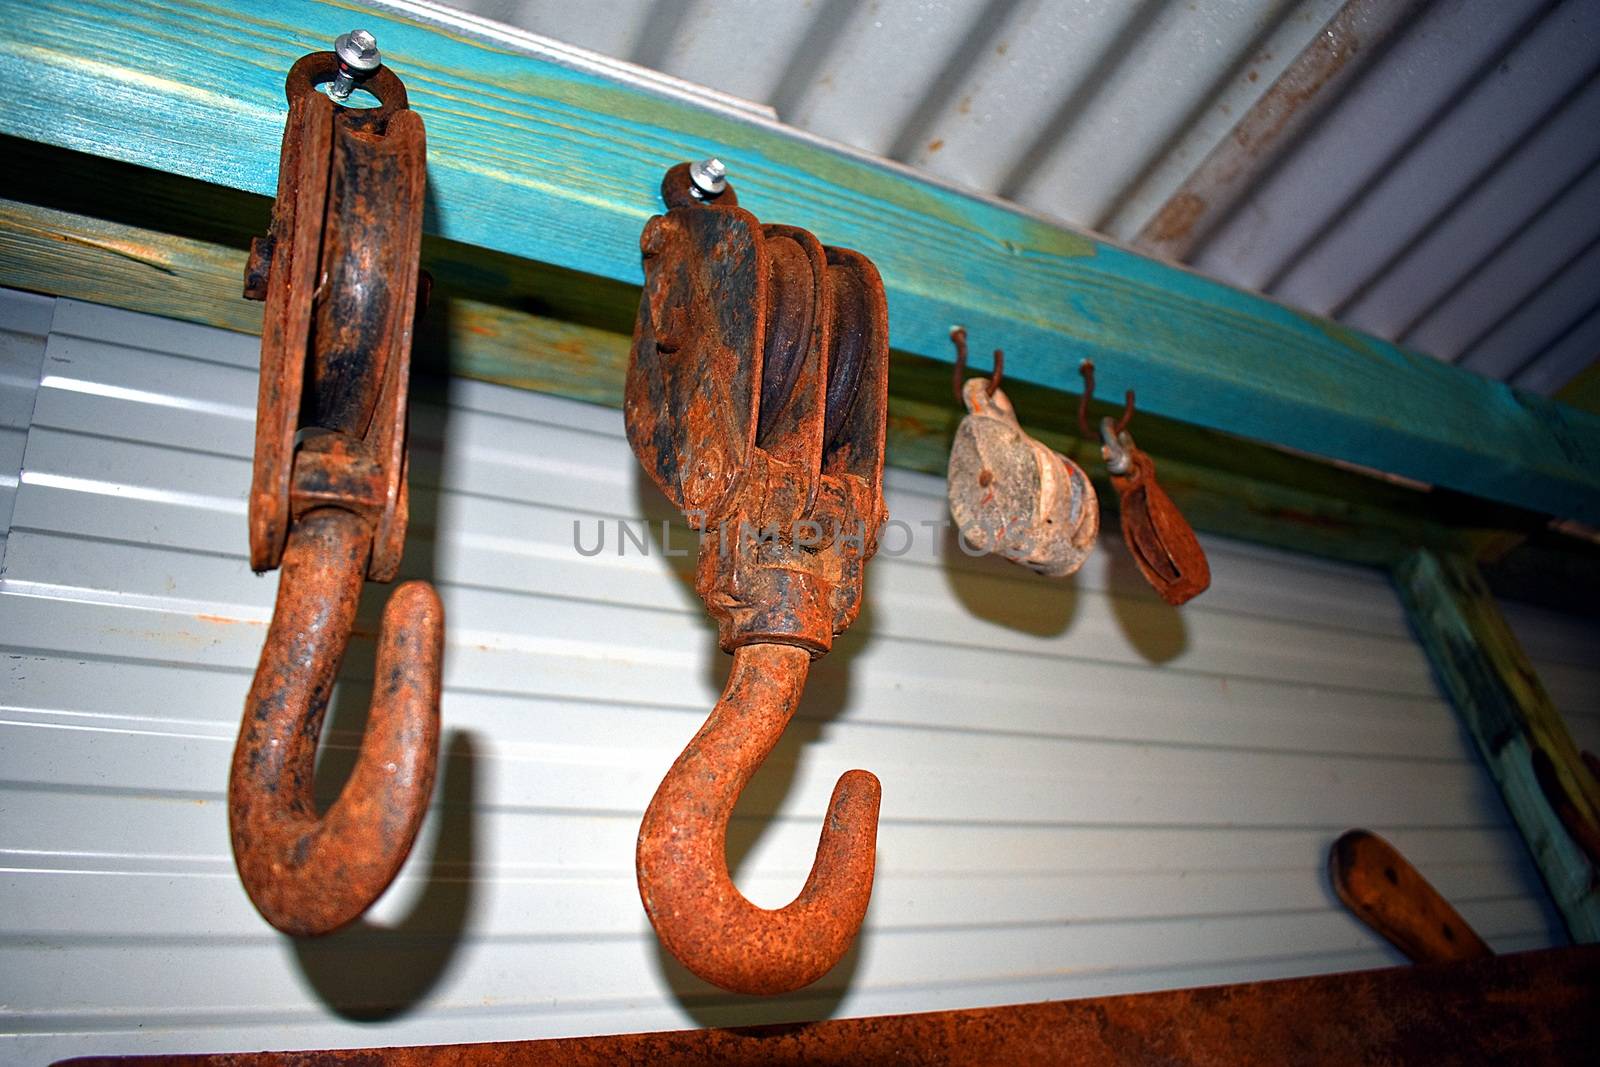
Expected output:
(1086, 368)
(1115, 445)
(958, 334)
(757, 400)
(307, 873)
(684, 882)
(328, 504)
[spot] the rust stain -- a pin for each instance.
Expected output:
(1298, 86)
(936, 144)
(1176, 218)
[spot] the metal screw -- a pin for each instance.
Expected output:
(709, 176)
(358, 58)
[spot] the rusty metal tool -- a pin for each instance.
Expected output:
(1383, 890)
(1161, 540)
(756, 400)
(339, 273)
(1010, 494)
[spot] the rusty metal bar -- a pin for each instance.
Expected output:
(1526, 1008)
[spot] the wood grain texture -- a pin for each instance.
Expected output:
(560, 165)
(1501, 701)
(1382, 889)
(576, 345)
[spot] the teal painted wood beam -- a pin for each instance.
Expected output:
(1482, 668)
(539, 160)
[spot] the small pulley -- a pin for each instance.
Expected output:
(1161, 540)
(1012, 495)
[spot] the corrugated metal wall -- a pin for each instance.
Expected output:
(1439, 184)
(1084, 790)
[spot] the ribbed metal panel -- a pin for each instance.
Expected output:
(1441, 191)
(1084, 790)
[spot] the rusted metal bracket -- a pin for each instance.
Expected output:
(339, 274)
(1161, 540)
(1010, 494)
(756, 399)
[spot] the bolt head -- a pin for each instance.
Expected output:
(358, 50)
(710, 176)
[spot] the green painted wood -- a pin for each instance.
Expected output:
(1583, 392)
(561, 166)
(576, 344)
(1497, 693)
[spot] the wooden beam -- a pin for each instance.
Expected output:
(576, 345)
(559, 164)
(1495, 689)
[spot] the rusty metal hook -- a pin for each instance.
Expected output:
(757, 400)
(684, 882)
(958, 334)
(1086, 368)
(309, 874)
(328, 504)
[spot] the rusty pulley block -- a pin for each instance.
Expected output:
(1009, 494)
(339, 274)
(756, 400)
(1161, 540)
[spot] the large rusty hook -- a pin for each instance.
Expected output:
(757, 400)
(328, 503)
(311, 874)
(683, 869)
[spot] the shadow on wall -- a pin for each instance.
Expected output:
(372, 973)
(1006, 594)
(826, 694)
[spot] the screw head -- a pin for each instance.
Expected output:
(710, 176)
(358, 50)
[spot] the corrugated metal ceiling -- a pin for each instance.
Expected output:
(1429, 172)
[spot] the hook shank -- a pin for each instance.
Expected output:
(309, 874)
(697, 911)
